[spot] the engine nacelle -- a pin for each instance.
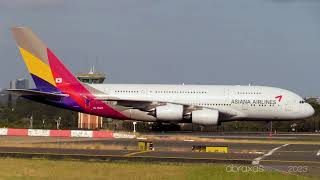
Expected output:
(205, 117)
(169, 112)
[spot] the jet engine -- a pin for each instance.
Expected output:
(205, 117)
(169, 112)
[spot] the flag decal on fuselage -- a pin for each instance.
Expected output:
(58, 80)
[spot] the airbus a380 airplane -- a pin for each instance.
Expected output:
(199, 104)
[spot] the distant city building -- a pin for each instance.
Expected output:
(87, 121)
(12, 84)
(3, 97)
(19, 84)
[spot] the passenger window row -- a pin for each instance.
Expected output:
(249, 93)
(176, 92)
(262, 105)
(126, 91)
(183, 92)
(209, 104)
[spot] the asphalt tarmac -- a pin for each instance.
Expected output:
(300, 159)
(241, 135)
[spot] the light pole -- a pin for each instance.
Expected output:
(31, 122)
(134, 126)
(314, 124)
(58, 121)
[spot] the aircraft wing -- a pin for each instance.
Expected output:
(136, 103)
(146, 105)
(31, 92)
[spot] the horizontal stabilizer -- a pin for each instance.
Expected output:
(31, 92)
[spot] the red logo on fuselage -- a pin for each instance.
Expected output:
(279, 98)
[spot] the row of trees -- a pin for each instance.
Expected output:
(23, 113)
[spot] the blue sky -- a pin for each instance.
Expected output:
(262, 42)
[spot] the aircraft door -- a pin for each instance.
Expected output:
(295, 107)
(288, 107)
(245, 106)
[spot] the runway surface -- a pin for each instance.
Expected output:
(241, 135)
(301, 159)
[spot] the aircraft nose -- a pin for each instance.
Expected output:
(309, 110)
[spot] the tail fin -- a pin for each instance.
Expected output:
(54, 80)
(47, 71)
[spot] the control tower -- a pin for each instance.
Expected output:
(87, 121)
(92, 77)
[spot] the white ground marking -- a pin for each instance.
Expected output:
(318, 153)
(255, 152)
(189, 140)
(257, 160)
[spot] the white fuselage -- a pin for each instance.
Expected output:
(240, 102)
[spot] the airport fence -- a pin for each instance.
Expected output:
(63, 133)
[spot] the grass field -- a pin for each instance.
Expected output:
(66, 169)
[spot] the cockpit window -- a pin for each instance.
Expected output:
(301, 102)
